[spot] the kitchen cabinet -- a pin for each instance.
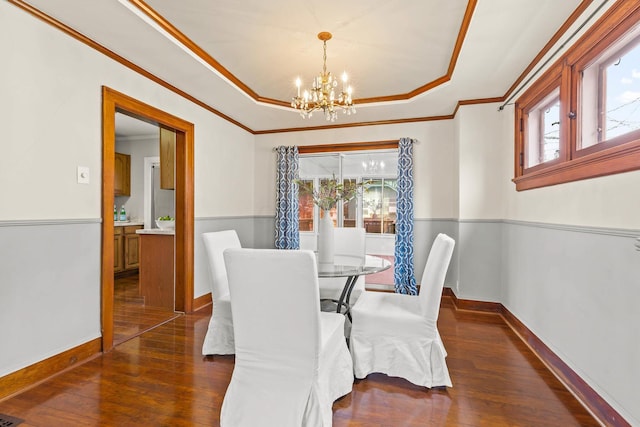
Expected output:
(122, 175)
(126, 248)
(167, 159)
(118, 254)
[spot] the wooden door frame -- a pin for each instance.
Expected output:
(113, 101)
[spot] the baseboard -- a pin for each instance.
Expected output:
(34, 374)
(466, 304)
(591, 400)
(202, 301)
(586, 395)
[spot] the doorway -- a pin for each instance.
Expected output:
(112, 102)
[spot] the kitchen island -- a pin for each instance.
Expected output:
(157, 267)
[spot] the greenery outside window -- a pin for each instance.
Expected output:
(581, 118)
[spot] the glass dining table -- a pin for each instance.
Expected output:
(350, 267)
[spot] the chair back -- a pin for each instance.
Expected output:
(276, 308)
(433, 277)
(276, 323)
(215, 243)
(349, 241)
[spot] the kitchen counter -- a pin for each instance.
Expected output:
(126, 223)
(156, 231)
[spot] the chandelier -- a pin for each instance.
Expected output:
(322, 95)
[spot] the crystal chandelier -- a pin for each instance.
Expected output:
(322, 95)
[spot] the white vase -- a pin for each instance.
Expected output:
(325, 239)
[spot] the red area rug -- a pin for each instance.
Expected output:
(384, 277)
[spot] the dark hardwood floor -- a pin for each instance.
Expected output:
(131, 316)
(160, 378)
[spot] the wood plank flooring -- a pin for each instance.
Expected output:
(131, 316)
(160, 378)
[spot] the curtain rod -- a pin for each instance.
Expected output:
(544, 64)
(348, 146)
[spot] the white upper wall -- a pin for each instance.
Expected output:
(435, 192)
(51, 110)
(479, 129)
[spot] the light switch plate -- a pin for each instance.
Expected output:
(83, 175)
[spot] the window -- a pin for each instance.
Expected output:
(610, 93)
(581, 118)
(374, 209)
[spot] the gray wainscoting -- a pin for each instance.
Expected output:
(425, 231)
(577, 288)
(480, 253)
(49, 288)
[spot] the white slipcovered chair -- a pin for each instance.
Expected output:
(219, 337)
(349, 244)
(397, 334)
(292, 360)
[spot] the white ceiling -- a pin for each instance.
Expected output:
(389, 48)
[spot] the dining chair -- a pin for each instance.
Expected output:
(292, 360)
(349, 243)
(219, 336)
(397, 334)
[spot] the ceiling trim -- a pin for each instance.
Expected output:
(107, 52)
(174, 32)
(390, 122)
(95, 45)
(358, 124)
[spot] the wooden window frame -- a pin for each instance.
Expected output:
(620, 154)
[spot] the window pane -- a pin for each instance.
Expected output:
(622, 88)
(305, 206)
(349, 209)
(543, 139)
(372, 206)
(610, 89)
(551, 132)
(389, 198)
(374, 164)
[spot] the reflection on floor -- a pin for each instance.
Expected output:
(131, 317)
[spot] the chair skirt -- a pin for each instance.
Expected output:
(390, 335)
(219, 337)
